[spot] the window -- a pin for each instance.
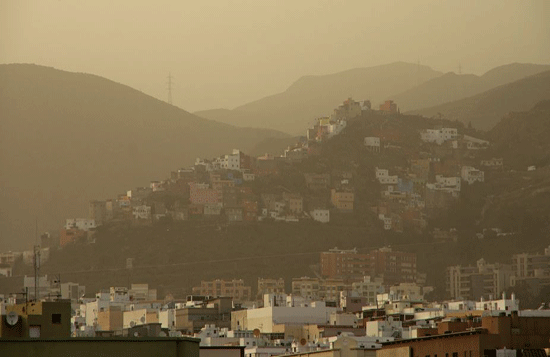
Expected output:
(56, 318)
(34, 331)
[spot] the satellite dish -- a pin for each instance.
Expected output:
(256, 332)
(303, 341)
(132, 323)
(12, 318)
(142, 319)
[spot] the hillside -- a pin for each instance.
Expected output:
(174, 255)
(67, 138)
(295, 109)
(522, 138)
(485, 110)
(450, 86)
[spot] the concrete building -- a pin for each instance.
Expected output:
(215, 311)
(270, 286)
(383, 176)
(439, 136)
(527, 335)
(470, 175)
(294, 202)
(320, 215)
(97, 211)
(531, 265)
(72, 291)
(266, 318)
(372, 143)
(342, 200)
(71, 235)
(388, 107)
(482, 281)
(40, 319)
(234, 289)
(108, 347)
(84, 224)
(306, 287)
(368, 288)
(394, 267)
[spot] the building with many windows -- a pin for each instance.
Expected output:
(232, 288)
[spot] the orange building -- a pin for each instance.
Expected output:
(71, 235)
(389, 107)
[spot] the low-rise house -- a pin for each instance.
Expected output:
(439, 136)
(71, 235)
(372, 143)
(493, 163)
(234, 214)
(294, 202)
(383, 176)
(320, 215)
(317, 181)
(388, 107)
(342, 200)
(475, 143)
(84, 224)
(470, 175)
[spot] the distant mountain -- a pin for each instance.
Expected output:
(295, 109)
(522, 138)
(484, 110)
(67, 138)
(450, 86)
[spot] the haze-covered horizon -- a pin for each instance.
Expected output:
(223, 55)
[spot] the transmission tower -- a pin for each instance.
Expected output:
(170, 88)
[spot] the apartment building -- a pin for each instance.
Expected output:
(231, 288)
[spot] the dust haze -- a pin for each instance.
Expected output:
(223, 54)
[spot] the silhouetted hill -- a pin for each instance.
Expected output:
(522, 138)
(485, 110)
(450, 86)
(295, 109)
(67, 138)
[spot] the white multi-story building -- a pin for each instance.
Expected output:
(471, 174)
(475, 143)
(84, 224)
(142, 212)
(368, 288)
(309, 313)
(320, 215)
(383, 176)
(372, 143)
(439, 136)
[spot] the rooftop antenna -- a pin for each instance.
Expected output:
(170, 88)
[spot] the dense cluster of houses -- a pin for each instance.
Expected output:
(433, 179)
(280, 324)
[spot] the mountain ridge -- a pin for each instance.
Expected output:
(67, 138)
(484, 110)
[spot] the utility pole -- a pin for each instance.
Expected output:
(170, 88)
(36, 270)
(459, 68)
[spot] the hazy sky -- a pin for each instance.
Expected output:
(225, 53)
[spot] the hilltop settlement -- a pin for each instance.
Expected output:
(377, 190)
